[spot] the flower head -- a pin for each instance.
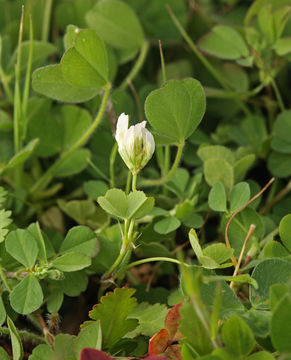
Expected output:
(136, 145)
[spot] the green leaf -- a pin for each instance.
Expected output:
(237, 336)
(2, 312)
(283, 46)
(279, 164)
(55, 301)
(49, 81)
(41, 50)
(224, 42)
(285, 231)
(281, 325)
(22, 246)
(218, 170)
(194, 241)
(80, 239)
(73, 284)
(95, 188)
(176, 109)
(75, 121)
(27, 296)
(85, 64)
(258, 321)
(277, 292)
(17, 348)
(139, 204)
(71, 261)
(281, 141)
(267, 273)
(274, 249)
(114, 202)
(261, 355)
(5, 220)
(76, 162)
(113, 312)
(116, 23)
(192, 328)
(151, 319)
(217, 197)
(35, 230)
(218, 252)
(167, 225)
(90, 336)
(4, 355)
(206, 152)
(22, 155)
(239, 196)
(132, 206)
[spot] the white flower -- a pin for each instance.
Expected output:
(136, 145)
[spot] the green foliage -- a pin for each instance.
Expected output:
(113, 313)
(76, 227)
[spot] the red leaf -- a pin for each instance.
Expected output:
(159, 342)
(172, 323)
(93, 354)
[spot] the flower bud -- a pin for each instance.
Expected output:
(136, 145)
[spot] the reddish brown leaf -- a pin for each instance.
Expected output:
(172, 323)
(174, 352)
(93, 354)
(158, 343)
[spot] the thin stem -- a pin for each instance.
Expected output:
(27, 79)
(249, 234)
(46, 20)
(278, 95)
(203, 59)
(233, 259)
(17, 100)
(128, 181)
(137, 66)
(111, 164)
(47, 176)
(4, 279)
(277, 198)
(24, 334)
(133, 185)
(158, 258)
(168, 176)
(44, 327)
(162, 62)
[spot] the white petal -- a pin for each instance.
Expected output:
(121, 127)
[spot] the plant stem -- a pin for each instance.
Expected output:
(278, 95)
(97, 170)
(17, 99)
(24, 334)
(5, 83)
(168, 176)
(47, 176)
(162, 62)
(4, 279)
(158, 258)
(203, 59)
(249, 234)
(277, 198)
(27, 80)
(137, 66)
(111, 164)
(46, 20)
(133, 185)
(128, 181)
(233, 259)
